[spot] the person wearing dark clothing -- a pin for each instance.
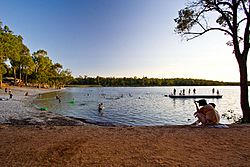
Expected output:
(174, 91)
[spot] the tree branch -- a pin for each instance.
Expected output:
(246, 36)
(224, 16)
(197, 34)
(225, 4)
(201, 26)
(241, 21)
(245, 8)
(235, 29)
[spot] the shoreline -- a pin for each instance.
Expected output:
(20, 110)
(30, 137)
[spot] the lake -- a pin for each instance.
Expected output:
(137, 106)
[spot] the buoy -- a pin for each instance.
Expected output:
(44, 109)
(72, 101)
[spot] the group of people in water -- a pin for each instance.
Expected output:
(183, 91)
(205, 113)
(100, 105)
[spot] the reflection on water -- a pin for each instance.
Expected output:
(135, 106)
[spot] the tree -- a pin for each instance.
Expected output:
(15, 55)
(65, 77)
(25, 52)
(233, 19)
(27, 65)
(8, 46)
(43, 65)
(57, 67)
(55, 74)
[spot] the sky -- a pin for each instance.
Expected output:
(119, 38)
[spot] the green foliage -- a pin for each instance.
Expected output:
(185, 21)
(37, 69)
(234, 118)
(231, 116)
(10, 46)
(112, 81)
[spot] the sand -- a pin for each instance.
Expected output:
(124, 146)
(44, 143)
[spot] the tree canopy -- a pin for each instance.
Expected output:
(144, 81)
(232, 18)
(36, 69)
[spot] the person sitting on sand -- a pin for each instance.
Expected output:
(216, 112)
(207, 114)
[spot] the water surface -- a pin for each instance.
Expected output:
(136, 106)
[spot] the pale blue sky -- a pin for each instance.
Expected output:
(120, 38)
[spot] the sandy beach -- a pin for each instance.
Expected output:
(30, 137)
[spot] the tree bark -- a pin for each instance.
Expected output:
(20, 72)
(1, 80)
(244, 90)
(14, 71)
(26, 79)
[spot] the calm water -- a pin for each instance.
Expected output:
(136, 106)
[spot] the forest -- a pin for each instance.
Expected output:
(144, 81)
(20, 67)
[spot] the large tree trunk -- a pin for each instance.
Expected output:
(244, 90)
(26, 79)
(20, 72)
(1, 79)
(14, 71)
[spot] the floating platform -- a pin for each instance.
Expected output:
(194, 96)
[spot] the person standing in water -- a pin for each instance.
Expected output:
(174, 91)
(194, 91)
(58, 98)
(100, 107)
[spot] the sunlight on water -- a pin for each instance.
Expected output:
(137, 105)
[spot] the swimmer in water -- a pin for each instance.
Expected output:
(100, 107)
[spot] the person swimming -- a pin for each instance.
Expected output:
(100, 107)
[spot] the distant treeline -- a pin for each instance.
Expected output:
(135, 82)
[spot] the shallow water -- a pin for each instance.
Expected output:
(136, 106)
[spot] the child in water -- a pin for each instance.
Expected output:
(100, 107)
